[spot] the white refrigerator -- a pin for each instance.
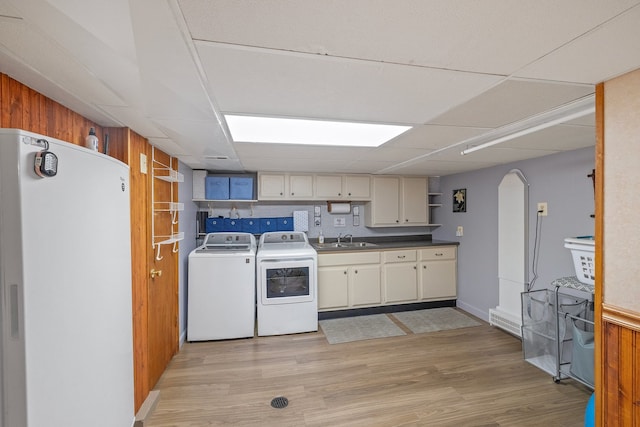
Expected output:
(65, 270)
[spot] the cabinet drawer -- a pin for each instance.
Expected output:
(408, 255)
(349, 258)
(437, 253)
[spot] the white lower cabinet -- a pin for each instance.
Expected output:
(437, 273)
(364, 285)
(348, 280)
(333, 286)
(374, 278)
(400, 276)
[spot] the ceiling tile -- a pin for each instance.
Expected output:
(279, 83)
(433, 137)
(604, 53)
(392, 154)
(511, 101)
(492, 36)
(562, 137)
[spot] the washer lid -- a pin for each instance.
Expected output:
(228, 241)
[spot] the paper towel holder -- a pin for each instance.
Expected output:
(338, 207)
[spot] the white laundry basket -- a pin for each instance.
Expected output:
(583, 254)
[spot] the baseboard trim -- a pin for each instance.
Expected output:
(147, 408)
(480, 314)
(382, 309)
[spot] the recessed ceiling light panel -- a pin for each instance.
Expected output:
(310, 132)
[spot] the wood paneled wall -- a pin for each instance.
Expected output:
(620, 404)
(23, 108)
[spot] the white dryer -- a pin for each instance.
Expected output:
(221, 288)
(286, 283)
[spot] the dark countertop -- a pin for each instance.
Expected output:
(381, 243)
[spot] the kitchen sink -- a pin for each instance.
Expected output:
(352, 245)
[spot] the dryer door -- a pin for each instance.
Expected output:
(286, 281)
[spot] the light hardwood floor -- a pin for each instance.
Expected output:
(466, 377)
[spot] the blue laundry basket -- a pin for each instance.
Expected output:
(590, 412)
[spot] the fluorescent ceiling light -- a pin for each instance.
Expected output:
(556, 116)
(310, 132)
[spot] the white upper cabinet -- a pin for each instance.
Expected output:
(283, 186)
(329, 187)
(272, 186)
(357, 187)
(398, 201)
(343, 187)
(300, 186)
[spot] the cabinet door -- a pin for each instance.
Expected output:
(357, 187)
(333, 291)
(414, 201)
(329, 186)
(301, 186)
(438, 279)
(271, 186)
(384, 209)
(401, 282)
(365, 285)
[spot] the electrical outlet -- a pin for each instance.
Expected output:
(542, 209)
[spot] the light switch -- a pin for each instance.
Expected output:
(143, 163)
(459, 231)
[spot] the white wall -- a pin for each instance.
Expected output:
(187, 224)
(621, 197)
(560, 180)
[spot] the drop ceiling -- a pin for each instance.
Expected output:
(170, 69)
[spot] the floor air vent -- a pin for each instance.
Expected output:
(506, 322)
(279, 402)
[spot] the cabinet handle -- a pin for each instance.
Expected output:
(414, 267)
(281, 193)
(401, 256)
(424, 267)
(345, 272)
(349, 194)
(439, 254)
(339, 194)
(292, 193)
(356, 271)
(397, 220)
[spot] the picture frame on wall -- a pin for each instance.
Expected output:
(460, 200)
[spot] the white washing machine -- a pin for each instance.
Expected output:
(286, 284)
(221, 286)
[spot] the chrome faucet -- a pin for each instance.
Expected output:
(339, 237)
(349, 236)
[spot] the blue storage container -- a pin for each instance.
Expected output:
(217, 188)
(285, 223)
(241, 188)
(268, 224)
(232, 224)
(213, 225)
(251, 225)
